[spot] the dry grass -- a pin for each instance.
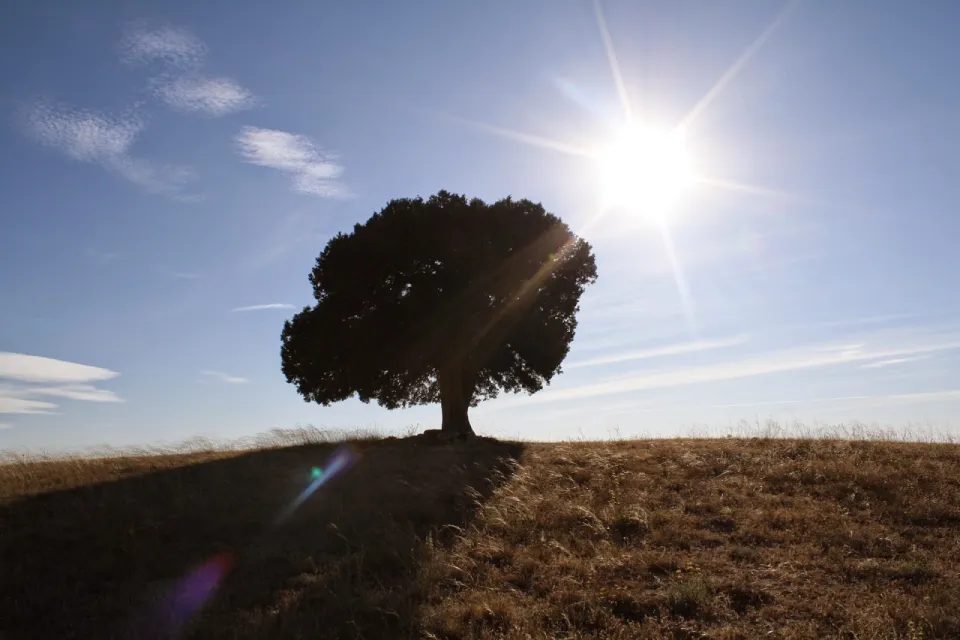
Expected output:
(731, 538)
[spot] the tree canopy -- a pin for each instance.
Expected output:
(444, 299)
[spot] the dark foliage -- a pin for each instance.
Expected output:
(445, 299)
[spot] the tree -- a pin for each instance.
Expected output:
(443, 300)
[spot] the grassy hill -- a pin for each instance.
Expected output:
(732, 538)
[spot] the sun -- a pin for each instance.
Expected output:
(644, 172)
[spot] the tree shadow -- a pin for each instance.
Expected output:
(138, 557)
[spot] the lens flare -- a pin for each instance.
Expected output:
(338, 461)
(189, 595)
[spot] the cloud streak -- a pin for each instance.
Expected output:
(312, 171)
(947, 395)
(658, 352)
(263, 307)
(17, 405)
(759, 365)
(48, 377)
(889, 363)
(105, 140)
(224, 377)
(889, 398)
(84, 392)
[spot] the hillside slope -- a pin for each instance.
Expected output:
(682, 538)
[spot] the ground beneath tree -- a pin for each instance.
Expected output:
(421, 538)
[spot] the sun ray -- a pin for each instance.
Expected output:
(660, 215)
(612, 60)
(527, 138)
(683, 288)
(783, 196)
(737, 66)
(749, 189)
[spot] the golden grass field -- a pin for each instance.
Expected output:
(684, 538)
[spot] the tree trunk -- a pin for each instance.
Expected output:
(454, 402)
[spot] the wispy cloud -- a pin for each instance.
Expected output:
(757, 365)
(173, 273)
(101, 257)
(87, 136)
(176, 46)
(48, 377)
(657, 352)
(263, 307)
(893, 361)
(882, 319)
(224, 377)
(947, 395)
(295, 229)
(888, 398)
(312, 170)
(926, 396)
(98, 138)
(84, 392)
(738, 405)
(5, 425)
(210, 96)
(180, 85)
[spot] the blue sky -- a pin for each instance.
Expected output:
(169, 172)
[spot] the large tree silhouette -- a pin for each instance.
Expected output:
(443, 300)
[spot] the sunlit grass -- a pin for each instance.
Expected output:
(849, 531)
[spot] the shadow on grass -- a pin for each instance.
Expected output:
(102, 560)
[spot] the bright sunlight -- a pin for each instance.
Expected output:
(645, 171)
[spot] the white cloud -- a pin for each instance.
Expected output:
(312, 171)
(85, 392)
(51, 378)
(210, 96)
(657, 352)
(758, 365)
(27, 368)
(90, 136)
(263, 307)
(224, 377)
(888, 363)
(5, 425)
(87, 136)
(180, 86)
(172, 45)
(14, 404)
